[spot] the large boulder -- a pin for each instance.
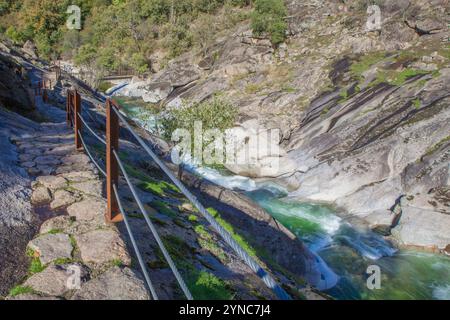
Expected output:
(155, 92)
(424, 228)
(257, 152)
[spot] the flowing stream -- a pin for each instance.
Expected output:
(346, 249)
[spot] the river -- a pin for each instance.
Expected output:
(347, 249)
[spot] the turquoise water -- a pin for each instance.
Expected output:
(346, 249)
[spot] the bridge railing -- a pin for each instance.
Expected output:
(115, 211)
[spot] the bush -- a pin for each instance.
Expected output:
(215, 117)
(268, 18)
(14, 35)
(216, 113)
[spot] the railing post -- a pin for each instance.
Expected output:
(112, 170)
(77, 120)
(68, 103)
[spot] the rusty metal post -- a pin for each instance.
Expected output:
(78, 123)
(68, 108)
(112, 170)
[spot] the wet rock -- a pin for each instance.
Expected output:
(52, 182)
(114, 284)
(54, 280)
(88, 209)
(41, 195)
(101, 247)
(63, 198)
(51, 247)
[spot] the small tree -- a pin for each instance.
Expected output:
(269, 18)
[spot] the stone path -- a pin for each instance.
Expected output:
(76, 255)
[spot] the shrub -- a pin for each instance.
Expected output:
(215, 113)
(13, 34)
(268, 18)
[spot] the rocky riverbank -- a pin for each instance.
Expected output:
(68, 232)
(363, 115)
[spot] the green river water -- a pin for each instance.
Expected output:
(405, 274)
(346, 249)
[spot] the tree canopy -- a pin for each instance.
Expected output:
(125, 33)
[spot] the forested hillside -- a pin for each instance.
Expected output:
(133, 34)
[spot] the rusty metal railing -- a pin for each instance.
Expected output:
(40, 88)
(115, 211)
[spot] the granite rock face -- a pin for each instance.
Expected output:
(363, 115)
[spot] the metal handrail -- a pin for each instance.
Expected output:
(114, 109)
(90, 154)
(91, 130)
(264, 275)
(135, 247)
(166, 254)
